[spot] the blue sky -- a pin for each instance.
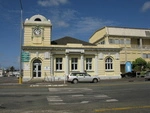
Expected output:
(75, 18)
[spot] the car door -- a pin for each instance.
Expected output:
(80, 77)
(87, 77)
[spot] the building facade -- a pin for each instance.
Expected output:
(50, 60)
(135, 43)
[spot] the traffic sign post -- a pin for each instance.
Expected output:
(25, 57)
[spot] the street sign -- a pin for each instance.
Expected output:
(25, 57)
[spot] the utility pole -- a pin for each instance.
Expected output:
(21, 29)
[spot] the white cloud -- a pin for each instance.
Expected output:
(86, 24)
(146, 6)
(46, 3)
(70, 18)
(83, 27)
(71, 22)
(61, 19)
(62, 24)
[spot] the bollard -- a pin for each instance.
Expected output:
(20, 80)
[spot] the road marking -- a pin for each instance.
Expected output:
(57, 103)
(56, 100)
(81, 95)
(69, 89)
(84, 102)
(101, 96)
(111, 100)
(53, 98)
(121, 108)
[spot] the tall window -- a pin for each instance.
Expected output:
(146, 55)
(128, 41)
(108, 64)
(88, 63)
(119, 41)
(74, 63)
(58, 63)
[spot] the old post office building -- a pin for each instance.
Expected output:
(48, 59)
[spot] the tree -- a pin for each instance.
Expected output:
(139, 64)
(12, 68)
(148, 65)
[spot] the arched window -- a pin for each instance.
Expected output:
(37, 19)
(109, 64)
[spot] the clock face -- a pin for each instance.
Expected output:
(37, 31)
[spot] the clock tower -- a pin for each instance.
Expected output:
(37, 31)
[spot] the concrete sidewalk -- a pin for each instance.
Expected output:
(52, 84)
(12, 81)
(46, 83)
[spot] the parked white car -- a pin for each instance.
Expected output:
(147, 76)
(76, 77)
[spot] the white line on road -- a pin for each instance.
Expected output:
(111, 100)
(54, 98)
(101, 96)
(81, 95)
(84, 102)
(61, 103)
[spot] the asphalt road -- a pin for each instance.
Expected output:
(108, 96)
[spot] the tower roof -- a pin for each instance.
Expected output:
(38, 19)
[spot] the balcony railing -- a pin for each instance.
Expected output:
(146, 47)
(131, 46)
(138, 46)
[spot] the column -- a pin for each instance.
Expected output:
(141, 43)
(82, 63)
(125, 42)
(141, 47)
(96, 64)
(106, 40)
(67, 65)
(52, 65)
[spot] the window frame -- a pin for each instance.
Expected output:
(74, 64)
(59, 65)
(109, 64)
(119, 41)
(147, 56)
(88, 64)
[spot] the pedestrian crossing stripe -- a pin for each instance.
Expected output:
(111, 100)
(57, 100)
(84, 102)
(80, 95)
(54, 98)
(102, 96)
(57, 103)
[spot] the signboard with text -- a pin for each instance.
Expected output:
(25, 56)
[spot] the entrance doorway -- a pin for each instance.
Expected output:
(37, 68)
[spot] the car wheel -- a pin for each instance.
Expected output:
(75, 81)
(95, 80)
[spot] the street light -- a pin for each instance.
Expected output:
(21, 29)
